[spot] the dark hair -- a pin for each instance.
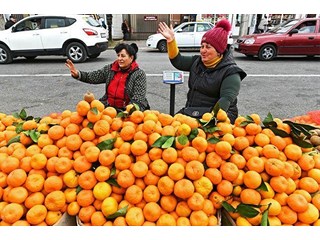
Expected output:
(131, 49)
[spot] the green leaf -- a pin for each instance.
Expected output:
(37, 119)
(301, 143)
(29, 118)
(134, 108)
(193, 134)
(247, 210)
(78, 189)
(279, 132)
(16, 115)
(265, 219)
(121, 212)
(113, 182)
(168, 143)
(213, 140)
(90, 125)
(263, 187)
(182, 139)
(13, 140)
(113, 171)
(34, 135)
(19, 128)
(94, 110)
(160, 141)
(269, 122)
(305, 126)
(228, 207)
(122, 114)
(107, 144)
(23, 114)
(216, 109)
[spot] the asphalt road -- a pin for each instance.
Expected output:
(285, 87)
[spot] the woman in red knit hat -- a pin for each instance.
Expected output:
(214, 76)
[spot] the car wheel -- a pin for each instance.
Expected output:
(5, 54)
(76, 52)
(162, 46)
(94, 55)
(267, 52)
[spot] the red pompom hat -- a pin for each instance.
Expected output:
(218, 36)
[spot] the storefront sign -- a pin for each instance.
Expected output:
(150, 18)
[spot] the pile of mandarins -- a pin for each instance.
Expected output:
(150, 168)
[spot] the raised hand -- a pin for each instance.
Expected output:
(166, 31)
(73, 70)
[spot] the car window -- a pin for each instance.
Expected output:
(203, 27)
(70, 21)
(307, 27)
(28, 24)
(91, 21)
(54, 23)
(188, 28)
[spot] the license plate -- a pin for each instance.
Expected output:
(103, 35)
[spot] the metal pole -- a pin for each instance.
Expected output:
(172, 98)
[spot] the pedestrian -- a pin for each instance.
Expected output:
(12, 20)
(102, 22)
(263, 25)
(214, 76)
(125, 30)
(125, 80)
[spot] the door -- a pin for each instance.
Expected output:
(55, 33)
(304, 42)
(185, 35)
(201, 29)
(25, 37)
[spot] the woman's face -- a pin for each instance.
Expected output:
(124, 59)
(208, 52)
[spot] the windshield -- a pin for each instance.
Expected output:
(283, 27)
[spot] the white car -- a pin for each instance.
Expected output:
(75, 36)
(187, 35)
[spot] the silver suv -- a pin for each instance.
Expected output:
(75, 36)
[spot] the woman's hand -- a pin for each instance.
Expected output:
(73, 70)
(166, 31)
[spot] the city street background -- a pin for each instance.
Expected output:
(285, 87)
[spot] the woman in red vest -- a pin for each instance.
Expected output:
(125, 82)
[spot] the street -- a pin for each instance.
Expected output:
(285, 87)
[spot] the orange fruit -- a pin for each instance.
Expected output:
(125, 178)
(229, 171)
(297, 202)
(308, 184)
(36, 214)
(252, 179)
(225, 188)
(184, 188)
(135, 217)
(16, 178)
(310, 215)
(287, 215)
(176, 171)
(293, 152)
(189, 153)
(223, 148)
(55, 201)
(255, 164)
(138, 147)
(165, 185)
(270, 151)
(250, 196)
(152, 211)
(85, 198)
(194, 170)
(274, 166)
(56, 132)
(279, 184)
(11, 213)
(199, 218)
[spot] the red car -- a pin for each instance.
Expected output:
(294, 37)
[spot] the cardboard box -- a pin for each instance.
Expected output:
(66, 220)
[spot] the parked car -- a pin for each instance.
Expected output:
(187, 35)
(293, 37)
(75, 36)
